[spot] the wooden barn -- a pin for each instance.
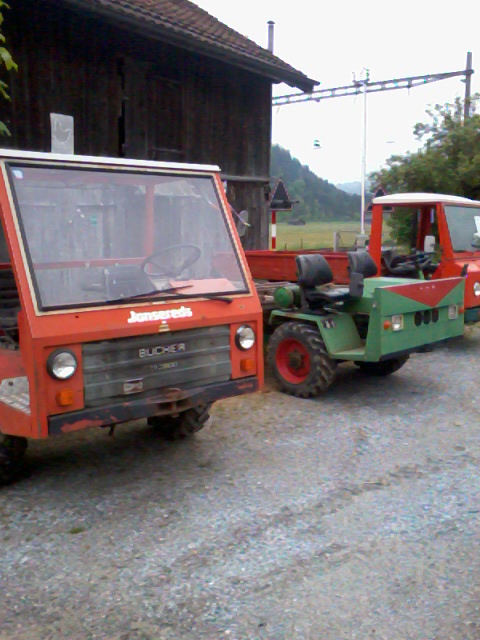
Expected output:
(152, 79)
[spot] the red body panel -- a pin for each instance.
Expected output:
(279, 266)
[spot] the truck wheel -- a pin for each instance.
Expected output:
(12, 451)
(184, 425)
(383, 368)
(299, 360)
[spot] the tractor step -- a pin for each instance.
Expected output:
(350, 354)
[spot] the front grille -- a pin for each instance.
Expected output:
(117, 368)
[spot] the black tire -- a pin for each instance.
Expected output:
(184, 425)
(12, 452)
(383, 368)
(300, 361)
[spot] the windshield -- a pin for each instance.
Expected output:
(96, 236)
(464, 227)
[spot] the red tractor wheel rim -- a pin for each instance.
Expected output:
(292, 361)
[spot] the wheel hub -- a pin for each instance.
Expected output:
(293, 361)
(296, 360)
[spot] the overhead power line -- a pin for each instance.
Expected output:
(358, 87)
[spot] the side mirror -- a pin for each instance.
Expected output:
(242, 223)
(429, 244)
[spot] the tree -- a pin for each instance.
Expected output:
(7, 61)
(449, 161)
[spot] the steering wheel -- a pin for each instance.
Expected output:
(427, 264)
(421, 261)
(172, 269)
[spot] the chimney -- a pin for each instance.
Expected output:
(271, 31)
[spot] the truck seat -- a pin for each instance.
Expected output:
(361, 262)
(314, 271)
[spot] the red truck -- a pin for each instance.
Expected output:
(113, 303)
(444, 240)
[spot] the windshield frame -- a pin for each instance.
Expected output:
(130, 167)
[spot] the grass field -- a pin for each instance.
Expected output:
(317, 235)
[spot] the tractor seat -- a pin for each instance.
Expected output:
(314, 271)
(361, 262)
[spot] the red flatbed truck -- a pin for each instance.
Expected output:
(445, 240)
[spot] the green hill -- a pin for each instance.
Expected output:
(318, 199)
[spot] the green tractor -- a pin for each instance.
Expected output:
(375, 323)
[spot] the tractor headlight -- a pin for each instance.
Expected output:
(452, 312)
(61, 364)
(397, 323)
(476, 288)
(245, 337)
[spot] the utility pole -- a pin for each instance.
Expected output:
(468, 85)
(364, 84)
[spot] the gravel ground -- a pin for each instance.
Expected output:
(356, 515)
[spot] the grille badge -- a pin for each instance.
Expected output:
(161, 350)
(133, 386)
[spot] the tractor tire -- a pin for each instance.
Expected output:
(183, 425)
(383, 368)
(12, 452)
(300, 361)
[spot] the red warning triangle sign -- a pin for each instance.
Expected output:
(280, 200)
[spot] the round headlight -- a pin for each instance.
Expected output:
(476, 288)
(245, 337)
(61, 364)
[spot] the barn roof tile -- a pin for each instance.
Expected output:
(184, 23)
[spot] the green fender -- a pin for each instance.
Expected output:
(338, 330)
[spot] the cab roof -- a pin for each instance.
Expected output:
(13, 154)
(405, 199)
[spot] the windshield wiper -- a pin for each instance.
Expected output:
(135, 296)
(209, 296)
(214, 296)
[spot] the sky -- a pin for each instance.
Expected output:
(330, 41)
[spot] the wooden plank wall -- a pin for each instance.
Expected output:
(75, 64)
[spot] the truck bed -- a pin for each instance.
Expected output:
(279, 266)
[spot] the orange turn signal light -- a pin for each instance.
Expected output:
(387, 324)
(65, 397)
(247, 364)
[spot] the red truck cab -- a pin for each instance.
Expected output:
(449, 224)
(114, 304)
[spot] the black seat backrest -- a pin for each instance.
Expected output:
(361, 262)
(313, 270)
(387, 256)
